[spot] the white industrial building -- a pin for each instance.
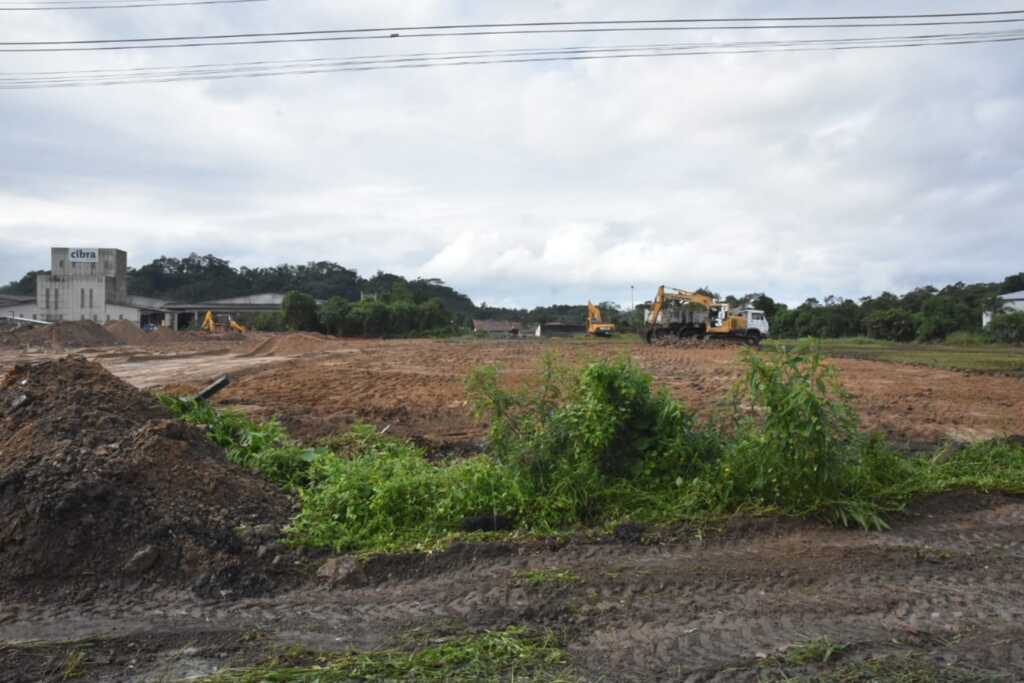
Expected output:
(86, 283)
(1008, 303)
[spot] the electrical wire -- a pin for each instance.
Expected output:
(111, 4)
(521, 28)
(265, 68)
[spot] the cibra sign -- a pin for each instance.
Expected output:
(83, 255)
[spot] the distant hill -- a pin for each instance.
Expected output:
(201, 278)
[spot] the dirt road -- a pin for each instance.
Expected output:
(945, 587)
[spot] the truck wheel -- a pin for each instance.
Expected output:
(753, 338)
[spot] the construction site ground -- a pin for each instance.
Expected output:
(943, 589)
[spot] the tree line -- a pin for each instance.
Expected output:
(391, 305)
(925, 314)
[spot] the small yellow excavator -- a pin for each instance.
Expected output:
(716, 321)
(210, 324)
(595, 324)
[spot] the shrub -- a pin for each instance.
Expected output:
(579, 443)
(800, 450)
(267, 322)
(1007, 328)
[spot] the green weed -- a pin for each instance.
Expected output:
(538, 577)
(386, 494)
(820, 651)
(512, 654)
(74, 665)
(595, 447)
(260, 446)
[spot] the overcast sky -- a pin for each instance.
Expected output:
(800, 174)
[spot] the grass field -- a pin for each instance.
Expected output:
(979, 358)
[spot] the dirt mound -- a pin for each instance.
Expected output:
(63, 335)
(297, 344)
(126, 332)
(99, 486)
(163, 335)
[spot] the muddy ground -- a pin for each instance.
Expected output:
(944, 587)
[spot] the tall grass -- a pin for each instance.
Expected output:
(601, 445)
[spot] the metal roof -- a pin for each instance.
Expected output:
(495, 326)
(12, 300)
(1013, 296)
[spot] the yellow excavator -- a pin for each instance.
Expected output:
(671, 316)
(210, 324)
(595, 324)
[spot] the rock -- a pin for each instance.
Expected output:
(142, 561)
(336, 568)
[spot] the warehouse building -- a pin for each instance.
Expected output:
(86, 283)
(1011, 302)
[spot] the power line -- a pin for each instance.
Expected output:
(521, 28)
(55, 79)
(112, 4)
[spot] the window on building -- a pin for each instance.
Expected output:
(94, 317)
(56, 298)
(47, 298)
(60, 316)
(33, 316)
(83, 316)
(90, 297)
(121, 317)
(82, 305)
(108, 317)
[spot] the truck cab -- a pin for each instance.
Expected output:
(756, 320)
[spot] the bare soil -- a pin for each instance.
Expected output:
(101, 488)
(416, 387)
(945, 585)
(319, 385)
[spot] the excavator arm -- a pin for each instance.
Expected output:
(671, 294)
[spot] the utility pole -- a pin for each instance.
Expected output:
(632, 305)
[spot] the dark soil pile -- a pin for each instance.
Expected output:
(64, 335)
(100, 486)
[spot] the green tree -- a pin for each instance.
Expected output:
(895, 324)
(431, 315)
(26, 286)
(299, 311)
(333, 314)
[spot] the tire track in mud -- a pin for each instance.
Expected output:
(947, 584)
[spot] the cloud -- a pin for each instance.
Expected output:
(800, 174)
